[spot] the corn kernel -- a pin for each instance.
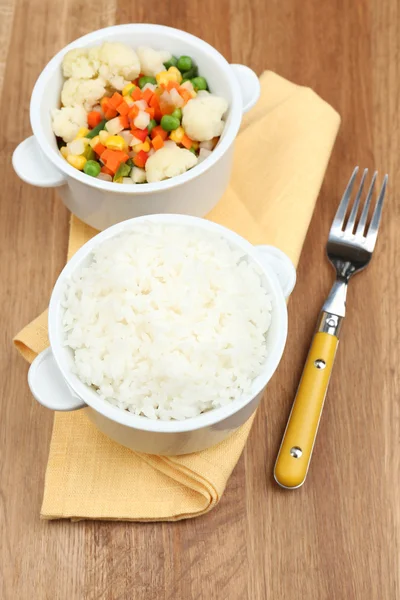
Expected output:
(76, 161)
(145, 146)
(177, 76)
(103, 136)
(115, 142)
(64, 151)
(82, 132)
(94, 141)
(163, 77)
(177, 135)
(127, 90)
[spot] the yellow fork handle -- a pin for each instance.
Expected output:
(298, 441)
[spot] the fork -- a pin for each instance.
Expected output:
(349, 249)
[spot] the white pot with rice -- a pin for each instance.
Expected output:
(166, 329)
(101, 203)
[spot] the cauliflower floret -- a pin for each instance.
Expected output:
(169, 162)
(152, 61)
(94, 57)
(67, 121)
(202, 117)
(119, 64)
(86, 92)
(77, 64)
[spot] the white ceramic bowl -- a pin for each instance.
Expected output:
(100, 203)
(56, 387)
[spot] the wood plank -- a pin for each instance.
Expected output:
(337, 537)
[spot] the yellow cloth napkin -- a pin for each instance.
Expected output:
(280, 159)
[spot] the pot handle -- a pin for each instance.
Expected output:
(49, 387)
(281, 265)
(249, 85)
(31, 165)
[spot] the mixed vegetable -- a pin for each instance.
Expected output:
(135, 117)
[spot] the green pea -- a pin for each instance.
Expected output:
(146, 79)
(177, 114)
(199, 83)
(169, 123)
(172, 62)
(193, 72)
(96, 129)
(192, 149)
(153, 123)
(184, 63)
(92, 168)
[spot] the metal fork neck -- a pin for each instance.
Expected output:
(336, 301)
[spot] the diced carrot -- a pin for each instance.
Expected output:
(140, 159)
(113, 165)
(147, 95)
(157, 142)
(132, 114)
(167, 108)
(155, 99)
(123, 119)
(104, 102)
(140, 134)
(113, 158)
(151, 112)
(108, 110)
(137, 94)
(158, 130)
(123, 108)
(187, 142)
(120, 155)
(94, 118)
(106, 170)
(155, 103)
(172, 85)
(185, 94)
(110, 114)
(116, 100)
(106, 155)
(99, 149)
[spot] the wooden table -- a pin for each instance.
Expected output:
(338, 537)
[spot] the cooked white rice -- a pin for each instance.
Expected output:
(167, 321)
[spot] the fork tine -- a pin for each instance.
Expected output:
(354, 210)
(364, 215)
(341, 211)
(376, 217)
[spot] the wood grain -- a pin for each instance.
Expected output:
(336, 538)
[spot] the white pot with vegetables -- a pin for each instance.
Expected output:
(135, 120)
